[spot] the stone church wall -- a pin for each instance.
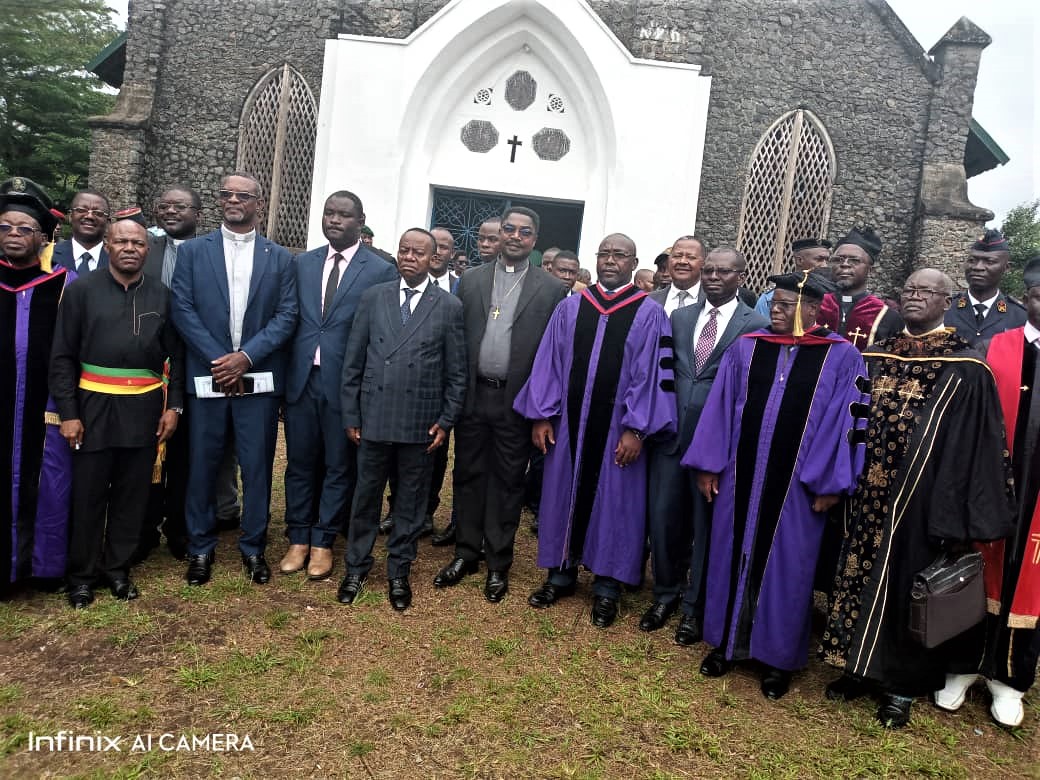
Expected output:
(838, 58)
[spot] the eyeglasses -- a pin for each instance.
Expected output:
(614, 253)
(684, 256)
(920, 292)
(714, 271)
(846, 260)
(180, 208)
(523, 232)
(82, 211)
(21, 230)
(242, 197)
(783, 305)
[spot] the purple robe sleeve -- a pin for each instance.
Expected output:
(712, 446)
(648, 403)
(834, 459)
(543, 395)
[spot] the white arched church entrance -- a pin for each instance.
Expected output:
(525, 99)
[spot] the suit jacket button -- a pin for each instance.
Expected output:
(387, 362)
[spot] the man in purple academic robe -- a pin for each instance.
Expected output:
(601, 383)
(34, 509)
(779, 440)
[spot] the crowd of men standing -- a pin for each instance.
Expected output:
(822, 437)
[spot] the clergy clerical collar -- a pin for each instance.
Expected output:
(520, 265)
(230, 235)
(854, 299)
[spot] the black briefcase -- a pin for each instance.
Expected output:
(947, 598)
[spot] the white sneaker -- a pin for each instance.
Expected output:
(1007, 707)
(952, 696)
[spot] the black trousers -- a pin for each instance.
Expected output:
(114, 483)
(440, 468)
(492, 447)
(413, 465)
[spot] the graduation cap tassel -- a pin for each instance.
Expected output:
(798, 331)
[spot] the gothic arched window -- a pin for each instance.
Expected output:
(787, 195)
(276, 144)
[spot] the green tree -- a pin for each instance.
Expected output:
(1021, 228)
(46, 96)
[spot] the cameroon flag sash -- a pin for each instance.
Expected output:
(119, 381)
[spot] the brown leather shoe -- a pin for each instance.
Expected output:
(321, 564)
(295, 558)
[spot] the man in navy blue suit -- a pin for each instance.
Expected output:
(84, 252)
(329, 284)
(234, 303)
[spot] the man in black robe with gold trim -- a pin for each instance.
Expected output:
(936, 479)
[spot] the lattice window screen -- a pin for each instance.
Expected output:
(276, 144)
(787, 195)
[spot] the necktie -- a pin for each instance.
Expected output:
(332, 284)
(980, 313)
(706, 342)
(435, 282)
(406, 307)
(84, 264)
(682, 295)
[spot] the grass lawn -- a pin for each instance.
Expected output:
(454, 687)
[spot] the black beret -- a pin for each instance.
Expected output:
(28, 197)
(809, 243)
(865, 238)
(991, 241)
(812, 284)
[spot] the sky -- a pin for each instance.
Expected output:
(1006, 102)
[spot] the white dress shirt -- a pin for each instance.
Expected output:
(419, 288)
(77, 254)
(722, 319)
(238, 262)
(987, 303)
(347, 255)
(1032, 335)
(671, 303)
(446, 280)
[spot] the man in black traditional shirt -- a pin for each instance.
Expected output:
(117, 378)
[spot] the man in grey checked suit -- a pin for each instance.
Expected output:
(404, 381)
(674, 498)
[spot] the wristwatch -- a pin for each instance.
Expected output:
(176, 409)
(638, 434)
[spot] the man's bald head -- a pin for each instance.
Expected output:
(925, 299)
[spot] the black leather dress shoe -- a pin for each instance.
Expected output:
(124, 589)
(453, 573)
(604, 611)
(689, 631)
(775, 683)
(549, 594)
(715, 664)
(657, 615)
(400, 593)
(80, 596)
(199, 569)
(386, 524)
(847, 688)
(445, 537)
(497, 586)
(257, 569)
(349, 588)
(894, 711)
